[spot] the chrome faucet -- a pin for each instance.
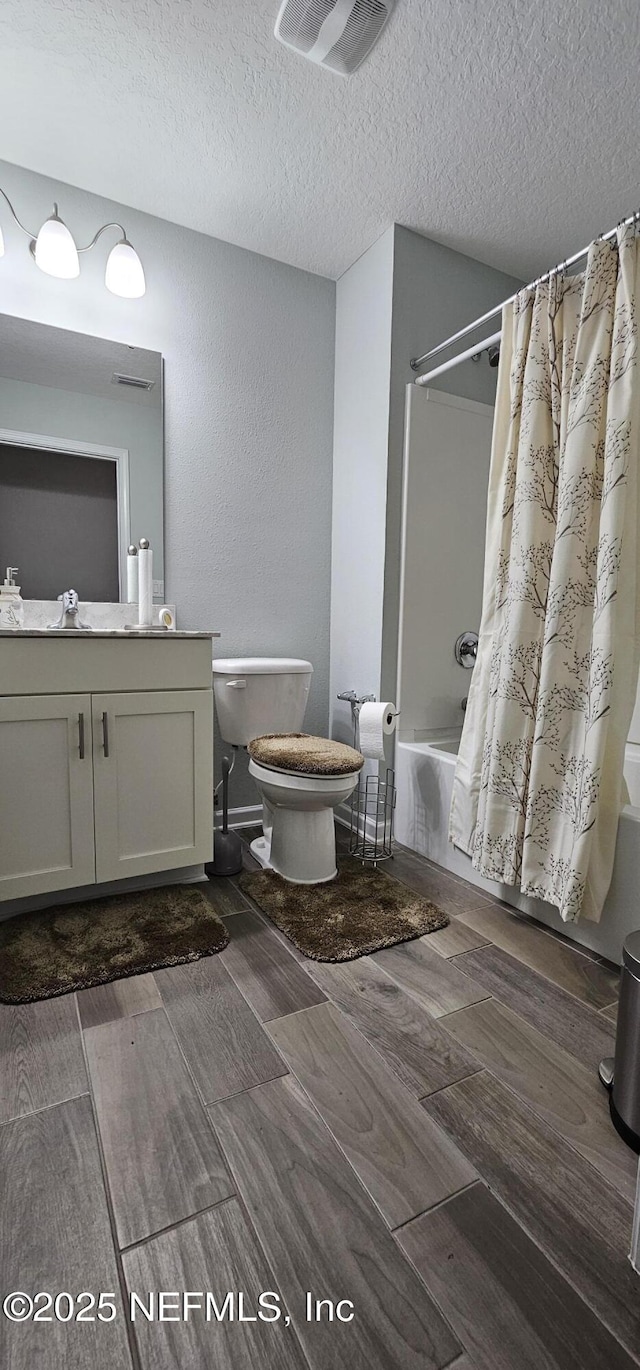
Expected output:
(70, 612)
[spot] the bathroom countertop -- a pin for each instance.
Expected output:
(103, 632)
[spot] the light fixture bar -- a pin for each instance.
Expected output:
(104, 228)
(28, 232)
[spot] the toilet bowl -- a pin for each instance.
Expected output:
(298, 822)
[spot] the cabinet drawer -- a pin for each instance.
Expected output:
(88, 665)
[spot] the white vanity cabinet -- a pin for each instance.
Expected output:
(152, 797)
(97, 785)
(46, 794)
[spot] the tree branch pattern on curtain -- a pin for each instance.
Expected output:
(538, 786)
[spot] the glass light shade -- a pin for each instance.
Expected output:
(124, 274)
(55, 250)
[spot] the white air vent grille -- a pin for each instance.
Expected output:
(137, 382)
(336, 34)
(300, 22)
(364, 24)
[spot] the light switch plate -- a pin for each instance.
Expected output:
(158, 589)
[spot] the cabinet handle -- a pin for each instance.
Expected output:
(81, 736)
(105, 732)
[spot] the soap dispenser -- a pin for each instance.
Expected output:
(11, 606)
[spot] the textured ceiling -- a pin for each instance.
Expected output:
(504, 128)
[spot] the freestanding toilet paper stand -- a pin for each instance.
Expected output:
(373, 801)
(372, 808)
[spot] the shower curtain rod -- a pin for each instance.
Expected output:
(417, 362)
(461, 357)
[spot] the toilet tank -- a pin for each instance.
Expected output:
(256, 695)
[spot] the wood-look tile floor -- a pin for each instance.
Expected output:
(420, 1132)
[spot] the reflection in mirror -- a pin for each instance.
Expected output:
(81, 460)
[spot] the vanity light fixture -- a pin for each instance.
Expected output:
(55, 252)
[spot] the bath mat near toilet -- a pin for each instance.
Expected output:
(76, 946)
(361, 911)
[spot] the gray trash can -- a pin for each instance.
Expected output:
(622, 1075)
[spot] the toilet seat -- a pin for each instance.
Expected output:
(304, 754)
(300, 782)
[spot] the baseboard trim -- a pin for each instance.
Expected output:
(243, 817)
(373, 830)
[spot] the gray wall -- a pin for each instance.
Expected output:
(360, 456)
(248, 348)
(405, 294)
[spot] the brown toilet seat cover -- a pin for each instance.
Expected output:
(307, 755)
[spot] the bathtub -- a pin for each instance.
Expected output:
(424, 781)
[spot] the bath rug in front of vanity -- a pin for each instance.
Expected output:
(361, 911)
(77, 946)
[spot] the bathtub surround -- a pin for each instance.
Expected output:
(446, 473)
(538, 787)
(424, 776)
(248, 346)
(446, 497)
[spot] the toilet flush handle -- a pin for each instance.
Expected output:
(237, 684)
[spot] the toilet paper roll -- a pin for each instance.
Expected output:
(145, 584)
(132, 575)
(376, 723)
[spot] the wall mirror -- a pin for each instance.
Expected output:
(81, 460)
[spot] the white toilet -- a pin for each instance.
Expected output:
(262, 701)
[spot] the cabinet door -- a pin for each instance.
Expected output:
(46, 794)
(153, 778)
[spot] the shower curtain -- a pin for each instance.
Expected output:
(538, 786)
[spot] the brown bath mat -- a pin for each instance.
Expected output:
(76, 946)
(360, 911)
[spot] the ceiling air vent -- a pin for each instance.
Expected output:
(336, 34)
(138, 382)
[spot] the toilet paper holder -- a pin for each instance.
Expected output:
(373, 801)
(356, 702)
